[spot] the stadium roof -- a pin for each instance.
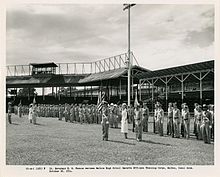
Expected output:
(178, 69)
(43, 65)
(112, 74)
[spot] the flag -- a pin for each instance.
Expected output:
(136, 100)
(101, 99)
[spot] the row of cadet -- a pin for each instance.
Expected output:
(178, 122)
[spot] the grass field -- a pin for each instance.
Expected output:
(54, 142)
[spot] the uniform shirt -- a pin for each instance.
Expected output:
(170, 112)
(160, 115)
(176, 114)
(185, 115)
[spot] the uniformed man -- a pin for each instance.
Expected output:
(145, 117)
(176, 120)
(198, 121)
(194, 122)
(115, 115)
(206, 125)
(71, 113)
(160, 119)
(9, 112)
(34, 113)
(211, 110)
(138, 122)
(30, 116)
(105, 121)
(111, 117)
(186, 121)
(170, 130)
(20, 110)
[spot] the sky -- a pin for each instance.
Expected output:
(161, 35)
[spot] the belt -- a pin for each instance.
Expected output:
(176, 117)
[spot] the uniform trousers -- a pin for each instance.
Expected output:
(176, 124)
(105, 128)
(206, 132)
(186, 128)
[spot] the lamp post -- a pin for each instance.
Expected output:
(128, 6)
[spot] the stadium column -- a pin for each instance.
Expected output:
(28, 93)
(120, 89)
(91, 90)
(200, 87)
(182, 89)
(43, 93)
(70, 91)
(132, 88)
(152, 92)
(52, 91)
(140, 84)
(166, 92)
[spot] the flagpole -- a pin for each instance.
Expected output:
(128, 6)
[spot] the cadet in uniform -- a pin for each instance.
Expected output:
(20, 110)
(176, 120)
(30, 113)
(194, 122)
(115, 115)
(124, 120)
(105, 122)
(9, 112)
(71, 113)
(186, 121)
(145, 117)
(198, 121)
(111, 117)
(160, 119)
(138, 122)
(170, 130)
(206, 125)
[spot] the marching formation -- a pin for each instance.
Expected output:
(111, 115)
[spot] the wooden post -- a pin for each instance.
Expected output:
(182, 88)
(120, 89)
(200, 87)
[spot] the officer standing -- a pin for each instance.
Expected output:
(9, 112)
(138, 122)
(105, 122)
(206, 125)
(19, 109)
(176, 120)
(170, 130)
(186, 121)
(145, 117)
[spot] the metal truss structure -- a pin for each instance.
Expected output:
(107, 64)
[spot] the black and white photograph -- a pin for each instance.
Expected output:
(113, 84)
